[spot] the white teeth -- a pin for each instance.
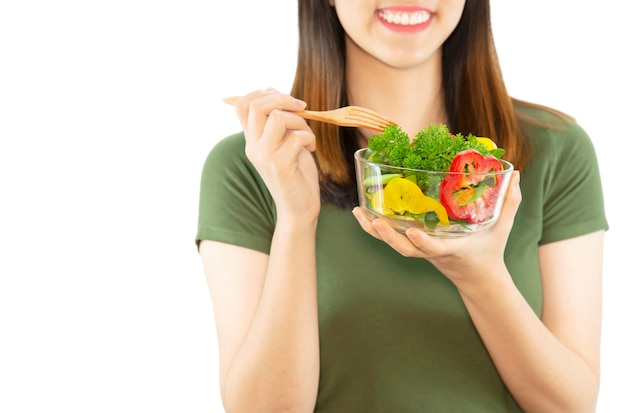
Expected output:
(404, 18)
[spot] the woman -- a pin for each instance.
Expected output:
(318, 311)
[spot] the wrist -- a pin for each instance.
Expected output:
(298, 224)
(491, 282)
(303, 219)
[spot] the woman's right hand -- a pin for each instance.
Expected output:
(279, 144)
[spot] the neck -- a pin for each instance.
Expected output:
(410, 96)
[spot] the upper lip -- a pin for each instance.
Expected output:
(407, 8)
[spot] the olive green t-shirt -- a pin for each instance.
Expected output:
(394, 334)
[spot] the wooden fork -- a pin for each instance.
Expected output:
(353, 116)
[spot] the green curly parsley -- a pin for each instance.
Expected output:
(432, 149)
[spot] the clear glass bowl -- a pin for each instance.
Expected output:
(443, 204)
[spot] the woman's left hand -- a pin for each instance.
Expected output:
(460, 259)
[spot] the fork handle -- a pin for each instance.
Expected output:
(306, 114)
(231, 100)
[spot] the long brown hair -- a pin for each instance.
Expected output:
(476, 98)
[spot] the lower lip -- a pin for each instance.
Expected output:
(405, 28)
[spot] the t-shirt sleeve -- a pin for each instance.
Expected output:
(234, 206)
(574, 203)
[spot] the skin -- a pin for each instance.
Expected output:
(265, 306)
(403, 79)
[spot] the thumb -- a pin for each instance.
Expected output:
(512, 200)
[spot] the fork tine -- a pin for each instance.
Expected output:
(364, 123)
(357, 117)
(369, 114)
(369, 119)
(359, 109)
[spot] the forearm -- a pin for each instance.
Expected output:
(541, 373)
(277, 366)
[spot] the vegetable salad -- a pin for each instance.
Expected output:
(466, 196)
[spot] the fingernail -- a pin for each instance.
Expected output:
(516, 177)
(411, 233)
(300, 103)
(379, 227)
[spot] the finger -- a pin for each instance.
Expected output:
(274, 137)
(512, 200)
(260, 109)
(242, 104)
(396, 240)
(381, 230)
(285, 124)
(364, 222)
(427, 244)
(293, 143)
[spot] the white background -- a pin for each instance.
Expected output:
(107, 111)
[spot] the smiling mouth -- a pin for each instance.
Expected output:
(405, 18)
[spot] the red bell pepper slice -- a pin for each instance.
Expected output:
(471, 196)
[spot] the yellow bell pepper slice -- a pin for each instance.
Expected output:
(401, 195)
(489, 144)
